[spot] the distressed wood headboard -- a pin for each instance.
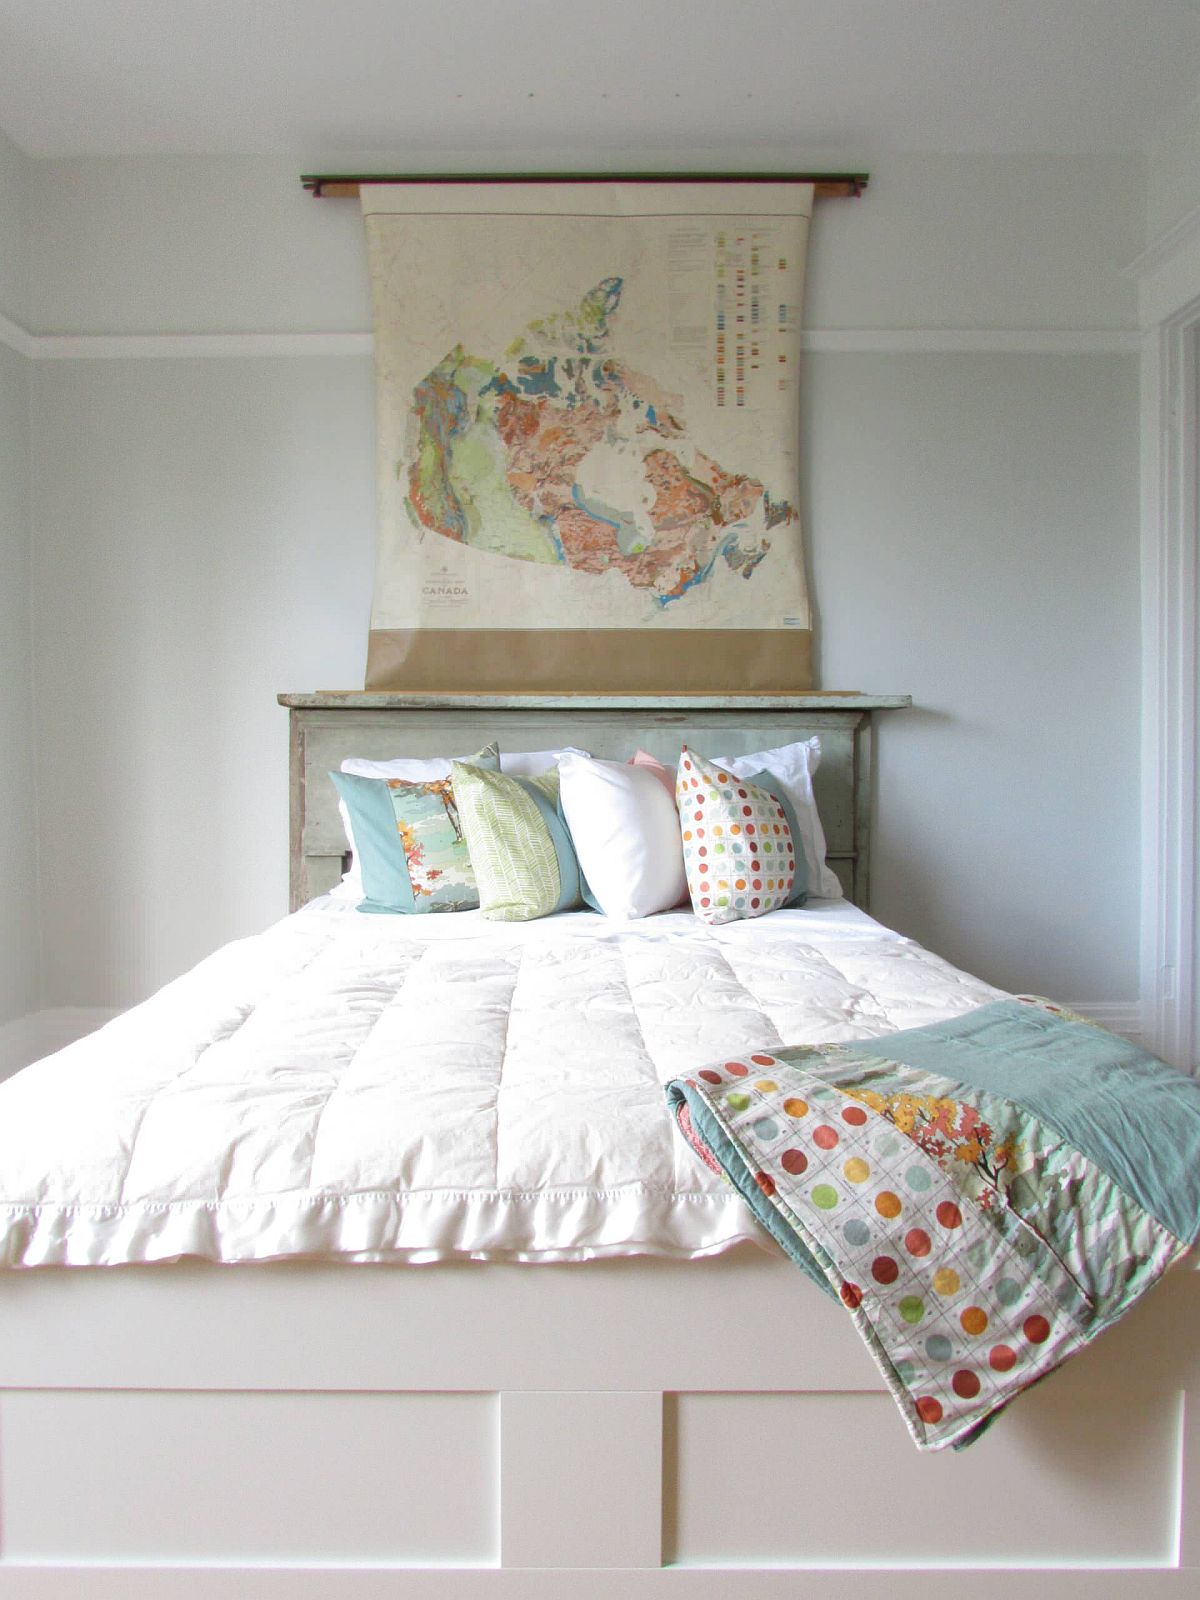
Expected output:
(326, 728)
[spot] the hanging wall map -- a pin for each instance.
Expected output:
(588, 434)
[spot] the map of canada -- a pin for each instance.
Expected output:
(555, 451)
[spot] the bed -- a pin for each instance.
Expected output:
(598, 1423)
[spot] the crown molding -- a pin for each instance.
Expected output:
(223, 346)
(16, 337)
(1167, 272)
(263, 346)
(1182, 233)
(975, 341)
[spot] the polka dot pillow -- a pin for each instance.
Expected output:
(739, 843)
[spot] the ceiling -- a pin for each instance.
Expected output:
(628, 80)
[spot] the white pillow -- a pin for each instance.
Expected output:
(528, 763)
(518, 763)
(411, 769)
(794, 765)
(625, 830)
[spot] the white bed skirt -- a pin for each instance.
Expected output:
(411, 1229)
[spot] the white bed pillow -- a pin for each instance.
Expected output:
(408, 769)
(413, 769)
(793, 765)
(625, 830)
(528, 763)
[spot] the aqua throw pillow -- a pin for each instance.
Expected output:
(742, 849)
(520, 847)
(409, 842)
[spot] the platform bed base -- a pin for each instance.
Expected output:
(616, 1429)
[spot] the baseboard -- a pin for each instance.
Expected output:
(18, 1044)
(1120, 1016)
(41, 1033)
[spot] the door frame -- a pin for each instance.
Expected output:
(1168, 276)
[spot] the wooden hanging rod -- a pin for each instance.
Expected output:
(345, 185)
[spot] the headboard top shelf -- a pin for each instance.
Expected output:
(328, 726)
(372, 700)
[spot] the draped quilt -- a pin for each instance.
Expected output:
(984, 1195)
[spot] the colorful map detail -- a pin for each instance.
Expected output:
(558, 452)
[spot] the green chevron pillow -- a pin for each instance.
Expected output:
(524, 861)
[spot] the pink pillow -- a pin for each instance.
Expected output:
(643, 758)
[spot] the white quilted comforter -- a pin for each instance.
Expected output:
(415, 1088)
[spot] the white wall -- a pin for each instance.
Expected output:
(974, 543)
(18, 836)
(204, 535)
(205, 539)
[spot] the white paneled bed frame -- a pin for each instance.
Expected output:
(619, 1428)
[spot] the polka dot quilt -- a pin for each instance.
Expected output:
(970, 1191)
